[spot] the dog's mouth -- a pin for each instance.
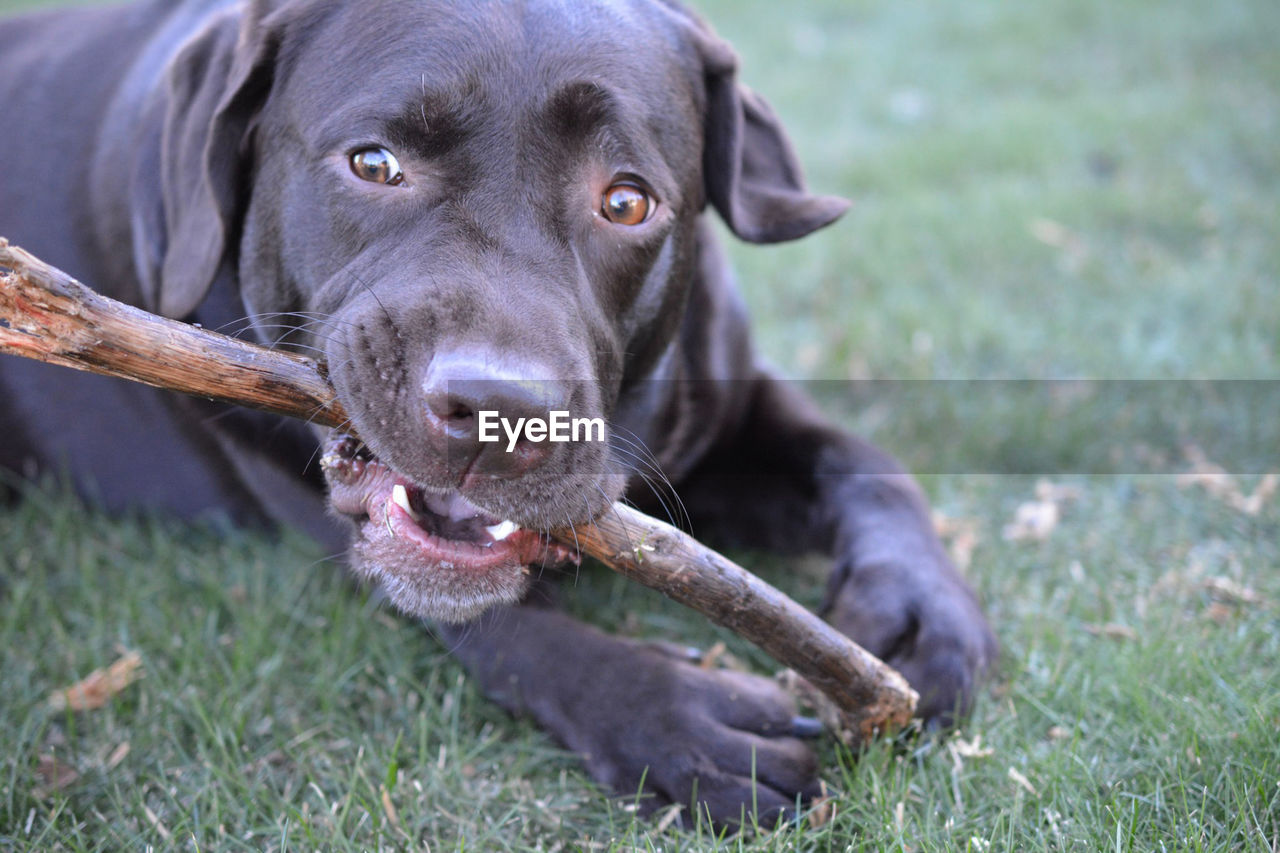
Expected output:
(435, 554)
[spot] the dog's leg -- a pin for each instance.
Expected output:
(789, 481)
(644, 719)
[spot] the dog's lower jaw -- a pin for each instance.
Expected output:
(437, 557)
(442, 590)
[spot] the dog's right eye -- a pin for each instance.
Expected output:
(625, 204)
(376, 165)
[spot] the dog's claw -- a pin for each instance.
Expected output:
(806, 727)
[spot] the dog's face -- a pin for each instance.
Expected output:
(472, 207)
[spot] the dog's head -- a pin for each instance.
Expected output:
(465, 207)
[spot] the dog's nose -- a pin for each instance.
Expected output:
(477, 411)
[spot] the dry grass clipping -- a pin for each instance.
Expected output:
(98, 687)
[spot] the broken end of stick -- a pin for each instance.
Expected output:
(892, 711)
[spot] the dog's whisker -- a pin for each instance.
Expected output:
(316, 317)
(634, 464)
(257, 323)
(279, 335)
(662, 489)
(653, 488)
(642, 450)
(391, 323)
(609, 504)
(577, 546)
(327, 558)
(636, 443)
(283, 342)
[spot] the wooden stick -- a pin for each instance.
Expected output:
(47, 315)
(868, 695)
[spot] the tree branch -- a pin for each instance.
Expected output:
(48, 316)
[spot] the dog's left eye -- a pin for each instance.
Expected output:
(626, 204)
(376, 165)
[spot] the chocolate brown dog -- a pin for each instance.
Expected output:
(465, 208)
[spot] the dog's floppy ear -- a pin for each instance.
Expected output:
(214, 87)
(752, 175)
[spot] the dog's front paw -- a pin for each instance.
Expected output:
(724, 742)
(924, 621)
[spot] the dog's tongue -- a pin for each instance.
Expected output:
(455, 517)
(452, 506)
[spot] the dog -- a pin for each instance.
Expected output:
(469, 208)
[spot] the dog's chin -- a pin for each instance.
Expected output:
(435, 555)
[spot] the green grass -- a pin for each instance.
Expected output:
(279, 704)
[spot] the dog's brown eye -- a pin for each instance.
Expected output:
(377, 165)
(626, 204)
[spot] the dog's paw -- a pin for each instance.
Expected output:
(655, 726)
(925, 622)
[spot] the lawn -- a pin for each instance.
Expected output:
(1066, 189)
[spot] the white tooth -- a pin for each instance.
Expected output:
(401, 499)
(502, 530)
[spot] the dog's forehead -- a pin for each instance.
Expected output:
(506, 47)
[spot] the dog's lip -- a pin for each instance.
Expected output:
(521, 548)
(384, 501)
